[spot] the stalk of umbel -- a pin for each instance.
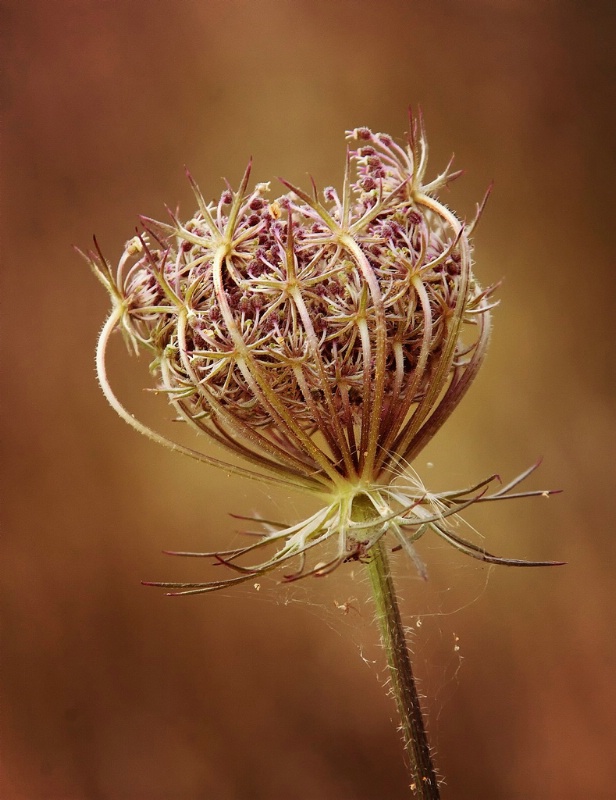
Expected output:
(324, 338)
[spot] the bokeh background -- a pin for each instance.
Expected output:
(110, 690)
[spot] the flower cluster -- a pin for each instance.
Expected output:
(322, 337)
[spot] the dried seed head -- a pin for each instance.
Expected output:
(324, 340)
(277, 321)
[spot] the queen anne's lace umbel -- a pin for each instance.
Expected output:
(324, 338)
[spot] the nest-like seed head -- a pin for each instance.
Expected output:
(322, 334)
(324, 338)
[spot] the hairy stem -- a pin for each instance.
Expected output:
(423, 778)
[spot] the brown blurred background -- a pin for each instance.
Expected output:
(110, 690)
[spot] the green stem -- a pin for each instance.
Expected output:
(423, 778)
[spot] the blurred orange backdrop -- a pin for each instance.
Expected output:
(111, 690)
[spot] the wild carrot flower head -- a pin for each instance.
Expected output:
(324, 337)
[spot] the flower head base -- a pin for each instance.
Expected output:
(324, 338)
(357, 521)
